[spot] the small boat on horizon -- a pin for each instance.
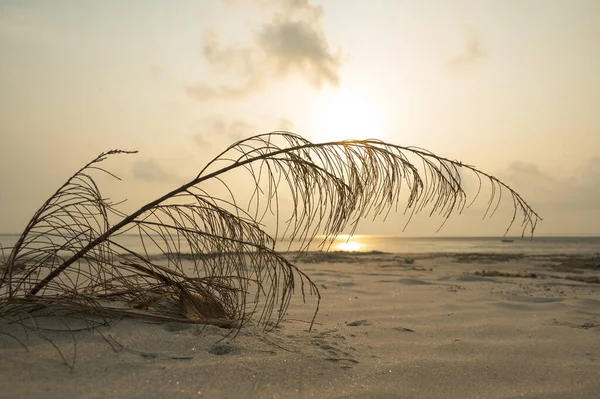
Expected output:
(507, 240)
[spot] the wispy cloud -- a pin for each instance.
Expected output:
(152, 171)
(217, 127)
(578, 192)
(471, 54)
(293, 42)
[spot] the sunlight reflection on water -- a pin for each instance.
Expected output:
(345, 243)
(348, 246)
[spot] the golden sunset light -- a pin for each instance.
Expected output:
(328, 199)
(183, 82)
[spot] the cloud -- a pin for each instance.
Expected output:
(588, 183)
(239, 60)
(471, 54)
(293, 42)
(578, 192)
(299, 46)
(217, 127)
(152, 171)
(216, 130)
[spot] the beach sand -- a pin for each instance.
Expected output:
(389, 326)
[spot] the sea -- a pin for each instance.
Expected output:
(543, 245)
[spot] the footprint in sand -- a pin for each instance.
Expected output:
(414, 281)
(223, 349)
(358, 323)
(533, 299)
(176, 327)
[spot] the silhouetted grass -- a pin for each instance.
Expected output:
(218, 263)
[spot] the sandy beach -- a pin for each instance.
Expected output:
(389, 326)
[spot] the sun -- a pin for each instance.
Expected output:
(344, 114)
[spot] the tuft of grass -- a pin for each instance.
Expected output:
(69, 259)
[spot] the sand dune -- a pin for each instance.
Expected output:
(390, 326)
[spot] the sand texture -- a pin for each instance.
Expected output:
(389, 326)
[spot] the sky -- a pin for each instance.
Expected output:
(508, 86)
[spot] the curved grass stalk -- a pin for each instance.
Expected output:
(219, 265)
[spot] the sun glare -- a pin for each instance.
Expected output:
(344, 114)
(349, 246)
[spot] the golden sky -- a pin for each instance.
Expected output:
(511, 86)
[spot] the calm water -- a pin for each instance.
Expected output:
(538, 246)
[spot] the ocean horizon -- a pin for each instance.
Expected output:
(538, 245)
